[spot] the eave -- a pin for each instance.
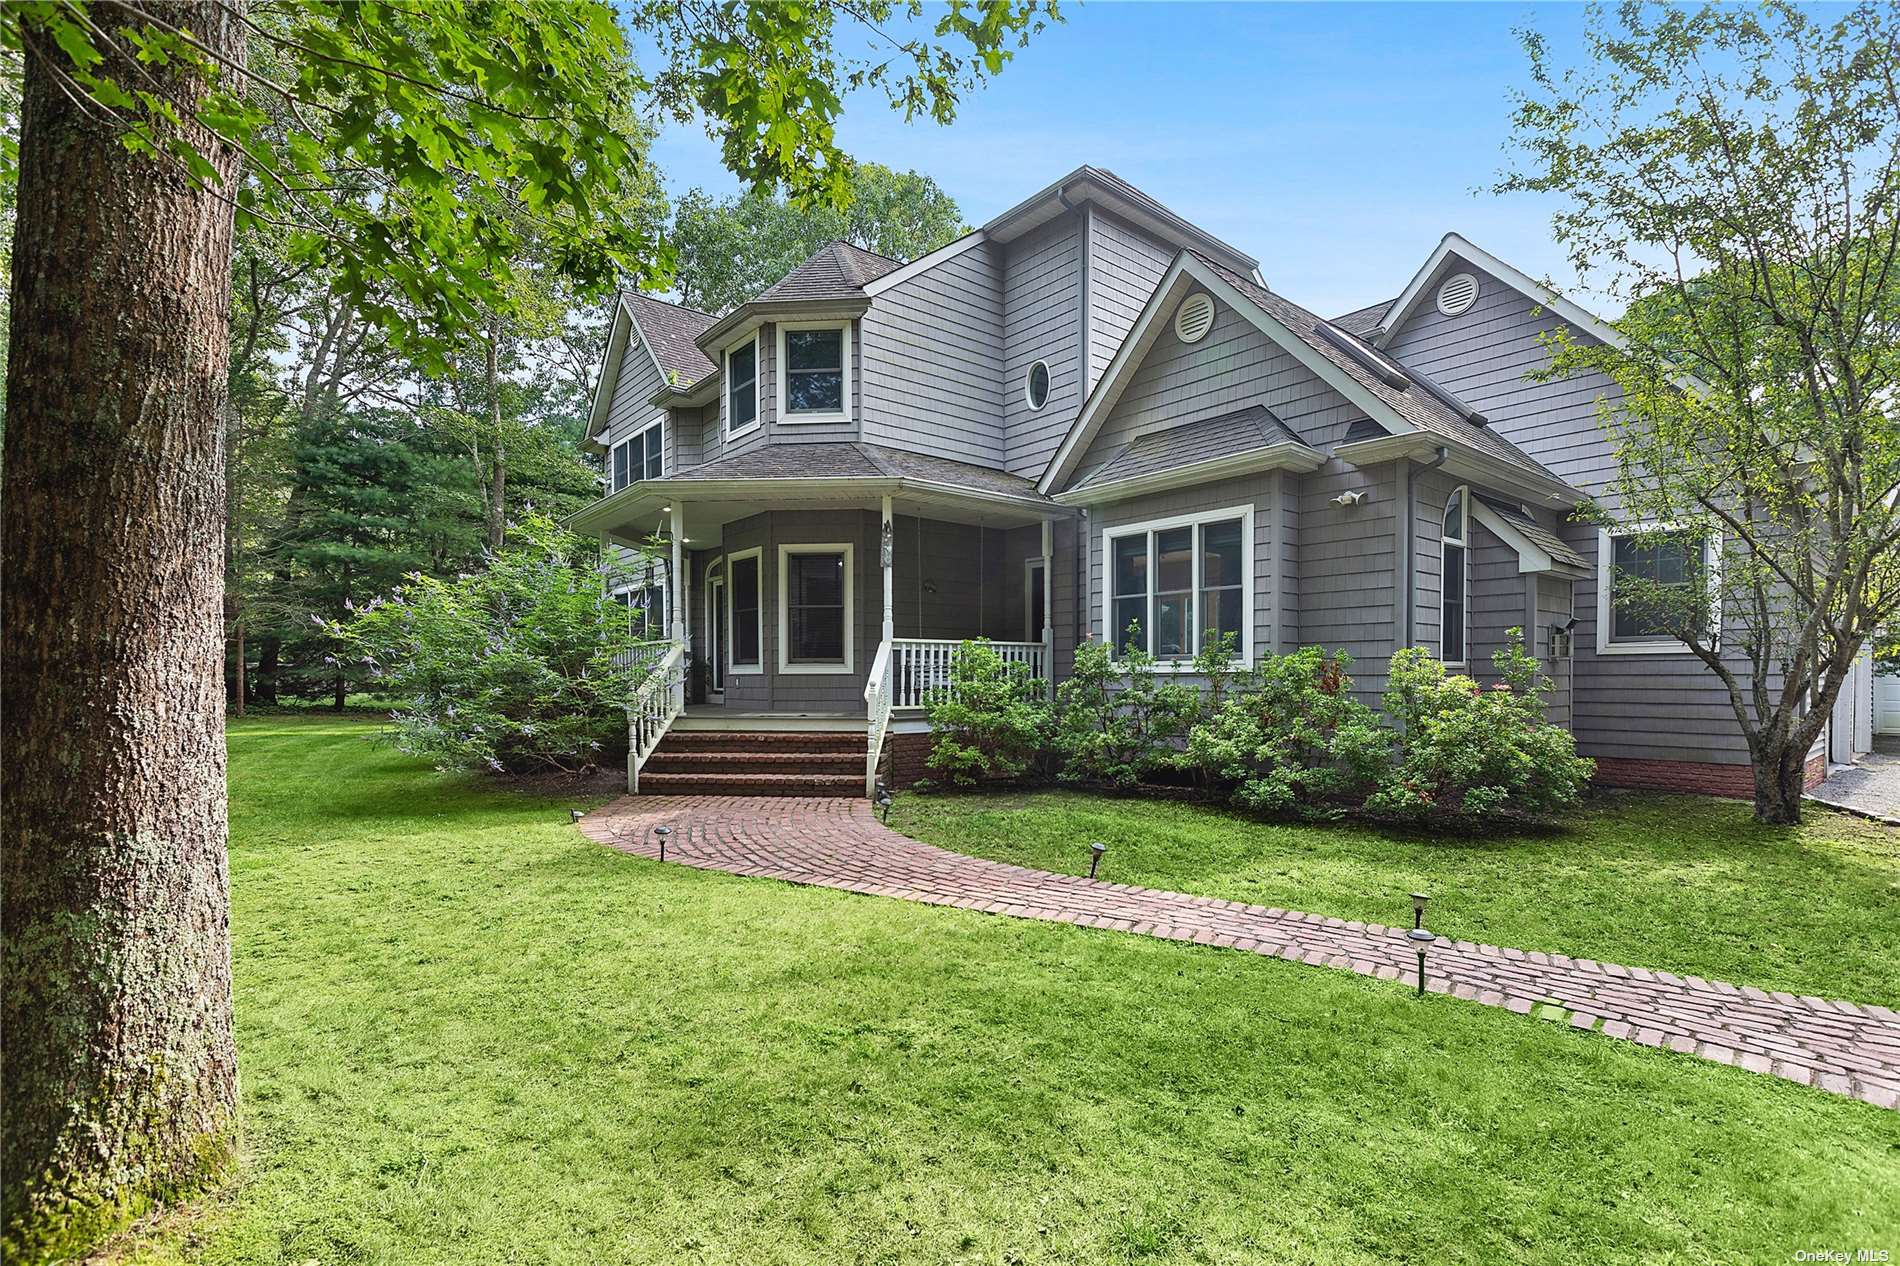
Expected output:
(1462, 461)
(1284, 455)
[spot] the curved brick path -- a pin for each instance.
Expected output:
(1837, 1046)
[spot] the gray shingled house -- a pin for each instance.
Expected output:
(1090, 412)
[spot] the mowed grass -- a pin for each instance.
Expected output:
(467, 1035)
(1688, 884)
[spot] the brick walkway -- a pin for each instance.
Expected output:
(1837, 1046)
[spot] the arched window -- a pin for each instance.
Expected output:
(1454, 578)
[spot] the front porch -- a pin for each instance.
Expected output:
(832, 605)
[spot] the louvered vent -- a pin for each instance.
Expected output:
(1194, 318)
(1457, 294)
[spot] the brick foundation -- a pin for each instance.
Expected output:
(907, 754)
(1697, 777)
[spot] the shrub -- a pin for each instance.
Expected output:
(512, 668)
(992, 721)
(1115, 723)
(1481, 754)
(1293, 738)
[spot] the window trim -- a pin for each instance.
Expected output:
(1606, 562)
(629, 438)
(1248, 586)
(1029, 376)
(780, 377)
(734, 666)
(725, 388)
(1463, 542)
(835, 668)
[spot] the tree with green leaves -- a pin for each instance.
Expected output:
(148, 135)
(732, 248)
(1732, 176)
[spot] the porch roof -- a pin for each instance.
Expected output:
(824, 476)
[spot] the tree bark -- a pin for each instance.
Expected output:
(497, 493)
(1781, 775)
(121, 1074)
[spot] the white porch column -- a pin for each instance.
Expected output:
(1049, 604)
(676, 578)
(886, 547)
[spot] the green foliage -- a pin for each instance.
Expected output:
(1115, 723)
(992, 721)
(1293, 739)
(1474, 753)
(520, 667)
(1729, 176)
(730, 249)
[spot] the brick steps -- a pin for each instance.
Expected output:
(773, 763)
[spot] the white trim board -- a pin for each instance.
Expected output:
(1606, 559)
(835, 668)
(780, 375)
(1248, 588)
(733, 667)
(924, 263)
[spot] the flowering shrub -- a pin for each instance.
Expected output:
(992, 721)
(1475, 753)
(1115, 723)
(513, 668)
(1291, 737)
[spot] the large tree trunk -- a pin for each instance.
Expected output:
(1780, 782)
(121, 1075)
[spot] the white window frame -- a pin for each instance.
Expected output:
(833, 668)
(1463, 542)
(1029, 375)
(1606, 564)
(725, 387)
(640, 435)
(1149, 527)
(733, 667)
(780, 376)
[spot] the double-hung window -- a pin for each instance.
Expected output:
(1651, 579)
(1175, 583)
(742, 592)
(815, 609)
(742, 386)
(1454, 576)
(637, 457)
(814, 384)
(645, 600)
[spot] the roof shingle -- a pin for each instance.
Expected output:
(855, 460)
(670, 330)
(1241, 431)
(837, 270)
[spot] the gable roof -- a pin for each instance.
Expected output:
(1159, 456)
(1105, 188)
(1536, 291)
(665, 332)
(1538, 548)
(669, 330)
(836, 270)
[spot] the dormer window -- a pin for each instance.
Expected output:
(742, 387)
(815, 385)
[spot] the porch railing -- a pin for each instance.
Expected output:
(657, 701)
(921, 665)
(643, 653)
(877, 714)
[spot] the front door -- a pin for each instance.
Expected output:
(716, 626)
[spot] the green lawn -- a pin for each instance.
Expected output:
(1687, 884)
(470, 1036)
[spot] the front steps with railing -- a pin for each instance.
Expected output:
(755, 763)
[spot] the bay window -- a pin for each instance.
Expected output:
(742, 386)
(1174, 583)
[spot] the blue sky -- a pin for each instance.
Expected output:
(1335, 142)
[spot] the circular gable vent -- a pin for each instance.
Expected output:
(1194, 318)
(1457, 294)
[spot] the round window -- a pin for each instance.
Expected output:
(1036, 385)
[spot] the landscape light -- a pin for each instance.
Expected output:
(1418, 908)
(663, 832)
(884, 802)
(1421, 940)
(1095, 856)
(573, 815)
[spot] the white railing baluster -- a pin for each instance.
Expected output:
(919, 665)
(656, 702)
(879, 694)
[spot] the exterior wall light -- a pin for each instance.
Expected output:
(1095, 856)
(664, 831)
(1421, 941)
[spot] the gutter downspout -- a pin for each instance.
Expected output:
(1407, 527)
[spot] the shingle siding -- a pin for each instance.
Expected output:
(933, 351)
(1041, 321)
(1125, 265)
